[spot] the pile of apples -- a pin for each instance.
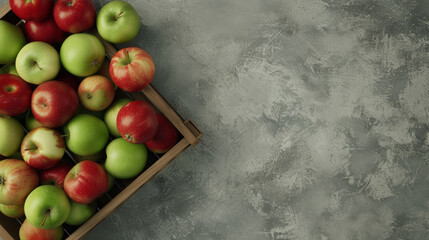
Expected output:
(53, 100)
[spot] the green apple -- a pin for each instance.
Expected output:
(86, 134)
(47, 207)
(12, 211)
(82, 54)
(112, 113)
(11, 135)
(31, 122)
(9, 68)
(124, 159)
(11, 41)
(80, 213)
(118, 22)
(38, 62)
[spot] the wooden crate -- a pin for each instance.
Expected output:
(123, 189)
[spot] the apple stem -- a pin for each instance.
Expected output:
(27, 149)
(46, 216)
(65, 135)
(129, 58)
(37, 65)
(117, 16)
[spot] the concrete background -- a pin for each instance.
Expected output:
(315, 121)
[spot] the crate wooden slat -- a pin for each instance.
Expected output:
(191, 134)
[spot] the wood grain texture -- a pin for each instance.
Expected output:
(4, 10)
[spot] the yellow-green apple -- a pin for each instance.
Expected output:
(96, 92)
(74, 16)
(118, 22)
(86, 182)
(11, 41)
(12, 211)
(31, 122)
(9, 68)
(29, 232)
(43, 148)
(80, 213)
(17, 180)
(82, 54)
(137, 122)
(12, 133)
(47, 207)
(15, 95)
(125, 160)
(38, 62)
(53, 103)
(36, 10)
(165, 138)
(131, 69)
(56, 175)
(112, 113)
(44, 31)
(85, 134)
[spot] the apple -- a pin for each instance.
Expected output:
(125, 160)
(17, 180)
(37, 62)
(9, 68)
(30, 232)
(80, 213)
(12, 211)
(96, 92)
(82, 54)
(56, 175)
(86, 134)
(112, 113)
(31, 122)
(132, 69)
(118, 22)
(137, 122)
(74, 16)
(43, 148)
(11, 41)
(110, 178)
(53, 103)
(47, 207)
(86, 182)
(44, 31)
(165, 138)
(15, 95)
(36, 10)
(12, 133)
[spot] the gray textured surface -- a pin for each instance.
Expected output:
(315, 115)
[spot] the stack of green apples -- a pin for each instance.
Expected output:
(54, 99)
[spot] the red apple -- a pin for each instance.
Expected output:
(132, 69)
(137, 122)
(56, 175)
(86, 182)
(96, 92)
(44, 31)
(43, 148)
(74, 16)
(36, 10)
(15, 95)
(165, 138)
(17, 180)
(29, 232)
(53, 103)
